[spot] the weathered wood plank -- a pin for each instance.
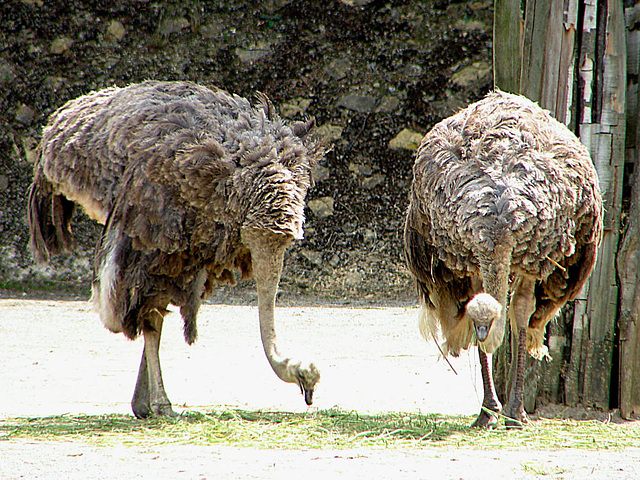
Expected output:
(507, 26)
(574, 379)
(629, 322)
(565, 104)
(628, 259)
(604, 137)
(536, 23)
(552, 51)
(575, 370)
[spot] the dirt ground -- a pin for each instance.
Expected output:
(366, 70)
(57, 358)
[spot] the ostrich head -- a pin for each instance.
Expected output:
(307, 375)
(485, 313)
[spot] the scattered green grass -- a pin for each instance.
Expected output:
(43, 288)
(540, 470)
(321, 429)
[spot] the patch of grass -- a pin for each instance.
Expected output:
(322, 429)
(542, 469)
(45, 289)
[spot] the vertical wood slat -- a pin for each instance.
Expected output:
(628, 260)
(565, 105)
(604, 136)
(549, 40)
(536, 21)
(574, 379)
(507, 26)
(629, 321)
(551, 60)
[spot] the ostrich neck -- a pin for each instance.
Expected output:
(279, 364)
(494, 270)
(267, 254)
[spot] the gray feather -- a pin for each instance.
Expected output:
(174, 170)
(501, 176)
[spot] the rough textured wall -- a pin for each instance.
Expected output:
(376, 75)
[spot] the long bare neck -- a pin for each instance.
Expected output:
(494, 270)
(267, 254)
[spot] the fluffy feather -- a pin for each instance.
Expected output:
(500, 190)
(174, 170)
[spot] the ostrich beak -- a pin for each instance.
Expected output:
(482, 331)
(307, 392)
(308, 396)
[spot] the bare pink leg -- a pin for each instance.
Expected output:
(490, 401)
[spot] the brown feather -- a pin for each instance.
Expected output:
(174, 170)
(501, 186)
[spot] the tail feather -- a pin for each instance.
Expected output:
(49, 217)
(189, 310)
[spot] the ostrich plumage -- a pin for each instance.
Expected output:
(191, 184)
(505, 215)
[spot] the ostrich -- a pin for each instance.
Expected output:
(504, 202)
(190, 183)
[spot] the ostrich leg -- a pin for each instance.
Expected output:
(490, 400)
(149, 397)
(522, 306)
(495, 270)
(140, 403)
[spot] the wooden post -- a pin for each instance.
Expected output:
(602, 129)
(507, 52)
(536, 39)
(551, 69)
(629, 323)
(628, 260)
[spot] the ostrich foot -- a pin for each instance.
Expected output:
(487, 418)
(515, 418)
(141, 409)
(163, 410)
(308, 395)
(145, 409)
(142, 405)
(514, 424)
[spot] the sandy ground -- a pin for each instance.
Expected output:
(57, 358)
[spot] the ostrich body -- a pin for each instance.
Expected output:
(191, 184)
(504, 202)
